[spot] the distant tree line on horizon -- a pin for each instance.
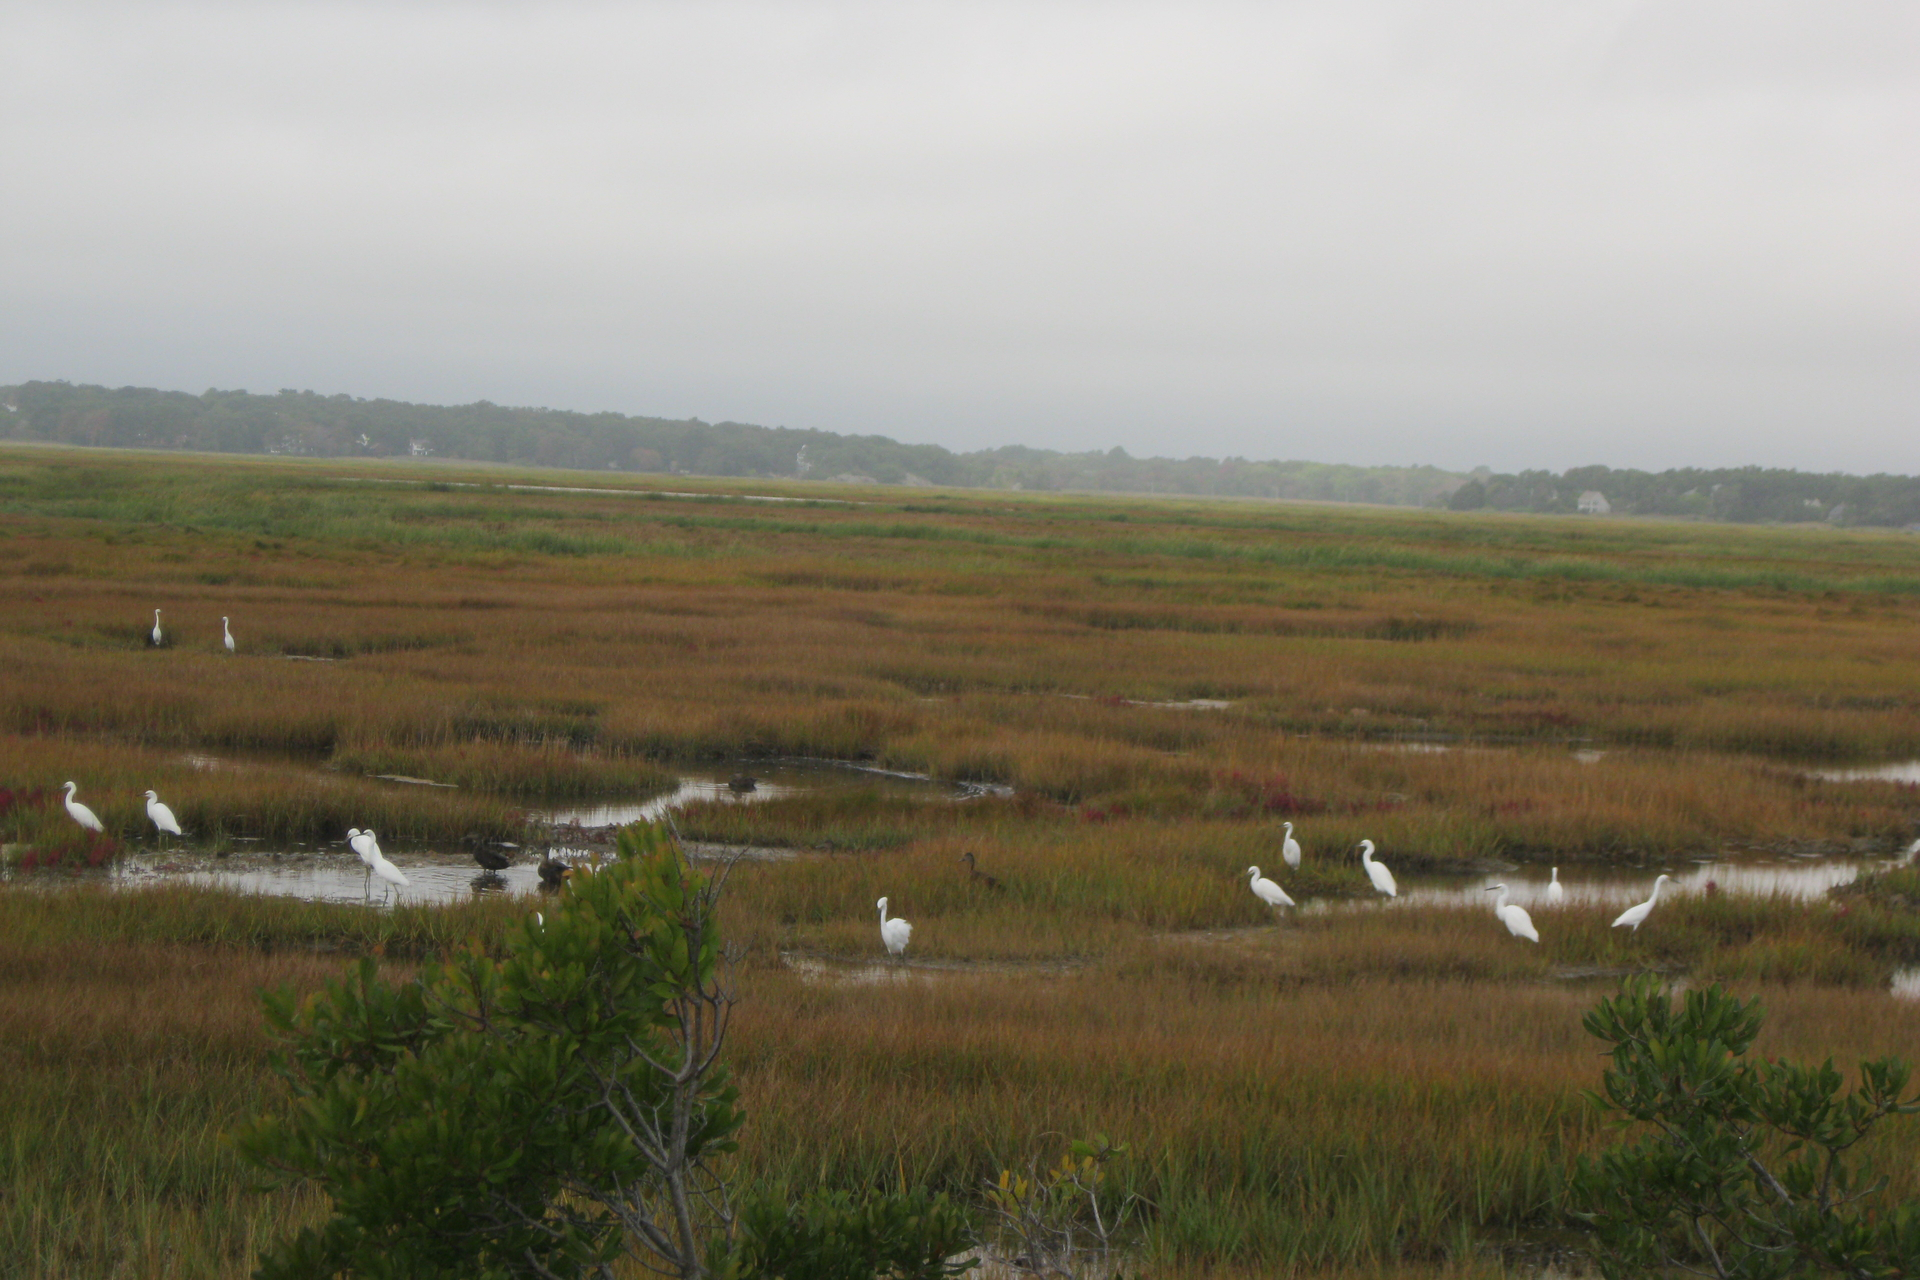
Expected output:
(307, 424)
(1750, 495)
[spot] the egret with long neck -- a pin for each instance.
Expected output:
(1377, 871)
(1266, 890)
(80, 813)
(1518, 922)
(161, 816)
(1637, 915)
(895, 933)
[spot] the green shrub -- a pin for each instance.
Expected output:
(544, 1114)
(1745, 1169)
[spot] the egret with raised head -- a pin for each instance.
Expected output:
(81, 814)
(361, 842)
(1637, 915)
(1377, 871)
(1556, 893)
(1290, 848)
(161, 816)
(1266, 890)
(895, 933)
(226, 634)
(1515, 917)
(157, 636)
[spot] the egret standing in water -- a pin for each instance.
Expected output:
(1266, 890)
(1290, 849)
(361, 842)
(226, 634)
(1556, 893)
(386, 870)
(161, 816)
(1637, 916)
(157, 637)
(1518, 922)
(1377, 871)
(81, 814)
(895, 933)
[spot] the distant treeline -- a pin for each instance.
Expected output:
(1747, 494)
(304, 423)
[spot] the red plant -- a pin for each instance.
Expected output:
(25, 798)
(83, 849)
(1273, 794)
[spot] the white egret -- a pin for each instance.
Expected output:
(157, 637)
(161, 816)
(1266, 890)
(226, 633)
(1637, 916)
(1290, 850)
(1518, 922)
(81, 814)
(895, 933)
(361, 842)
(1556, 892)
(1377, 871)
(387, 871)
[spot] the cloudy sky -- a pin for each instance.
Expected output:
(1519, 233)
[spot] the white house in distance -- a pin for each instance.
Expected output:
(1594, 503)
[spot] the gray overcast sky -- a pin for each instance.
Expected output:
(1520, 233)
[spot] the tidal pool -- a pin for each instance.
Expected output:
(332, 873)
(1906, 771)
(772, 780)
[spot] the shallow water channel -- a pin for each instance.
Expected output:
(331, 873)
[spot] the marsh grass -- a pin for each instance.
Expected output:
(1387, 1092)
(1366, 1092)
(271, 801)
(545, 772)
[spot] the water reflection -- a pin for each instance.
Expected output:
(324, 877)
(770, 780)
(1907, 771)
(1804, 878)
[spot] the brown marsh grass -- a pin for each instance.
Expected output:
(940, 634)
(1388, 1093)
(1378, 1092)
